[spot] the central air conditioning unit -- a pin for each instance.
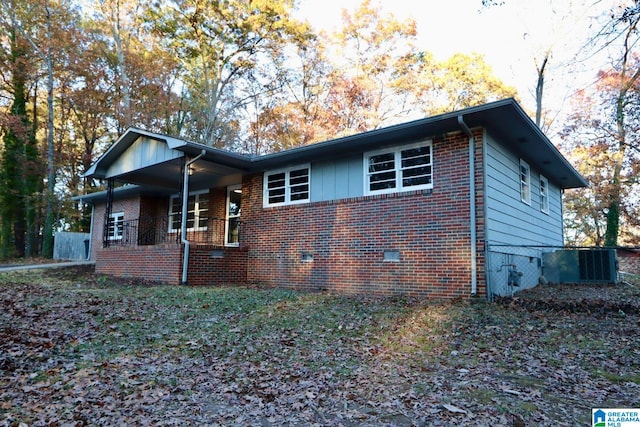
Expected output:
(581, 266)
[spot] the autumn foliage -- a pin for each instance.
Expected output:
(246, 76)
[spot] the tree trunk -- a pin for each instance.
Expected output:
(33, 182)
(613, 211)
(12, 197)
(613, 224)
(125, 116)
(627, 82)
(540, 89)
(47, 242)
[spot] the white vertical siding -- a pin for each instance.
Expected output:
(142, 153)
(509, 220)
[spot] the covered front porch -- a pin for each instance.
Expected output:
(171, 212)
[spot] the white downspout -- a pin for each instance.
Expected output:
(472, 204)
(183, 222)
(93, 210)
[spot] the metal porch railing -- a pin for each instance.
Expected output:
(146, 231)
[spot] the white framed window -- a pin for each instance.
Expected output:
(544, 194)
(525, 182)
(232, 224)
(403, 168)
(197, 211)
(115, 228)
(287, 186)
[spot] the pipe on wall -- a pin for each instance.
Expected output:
(183, 222)
(472, 204)
(93, 210)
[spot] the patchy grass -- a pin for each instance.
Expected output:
(80, 349)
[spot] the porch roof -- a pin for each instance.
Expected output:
(128, 160)
(504, 119)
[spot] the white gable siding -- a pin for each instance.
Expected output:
(142, 153)
(509, 220)
(338, 179)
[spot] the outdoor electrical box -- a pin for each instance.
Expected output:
(515, 277)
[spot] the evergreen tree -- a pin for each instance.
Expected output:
(19, 145)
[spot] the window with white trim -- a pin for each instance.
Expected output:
(525, 182)
(544, 194)
(287, 186)
(115, 227)
(399, 169)
(197, 211)
(234, 201)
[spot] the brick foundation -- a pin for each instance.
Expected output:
(217, 265)
(160, 263)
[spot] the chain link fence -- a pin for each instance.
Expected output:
(511, 268)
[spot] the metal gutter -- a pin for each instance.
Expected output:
(183, 223)
(93, 210)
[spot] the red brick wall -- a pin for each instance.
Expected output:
(154, 206)
(629, 263)
(217, 265)
(163, 263)
(160, 263)
(347, 238)
(217, 210)
(131, 208)
(153, 227)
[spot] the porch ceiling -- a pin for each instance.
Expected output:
(204, 174)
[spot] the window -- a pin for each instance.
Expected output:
(115, 226)
(288, 186)
(525, 182)
(399, 169)
(197, 211)
(544, 194)
(234, 198)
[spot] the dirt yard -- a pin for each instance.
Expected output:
(78, 349)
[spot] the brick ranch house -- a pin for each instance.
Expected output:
(408, 209)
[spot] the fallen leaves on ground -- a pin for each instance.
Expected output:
(78, 349)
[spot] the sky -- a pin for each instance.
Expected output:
(509, 36)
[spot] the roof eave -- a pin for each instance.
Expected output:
(478, 116)
(487, 115)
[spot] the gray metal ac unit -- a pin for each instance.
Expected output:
(581, 266)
